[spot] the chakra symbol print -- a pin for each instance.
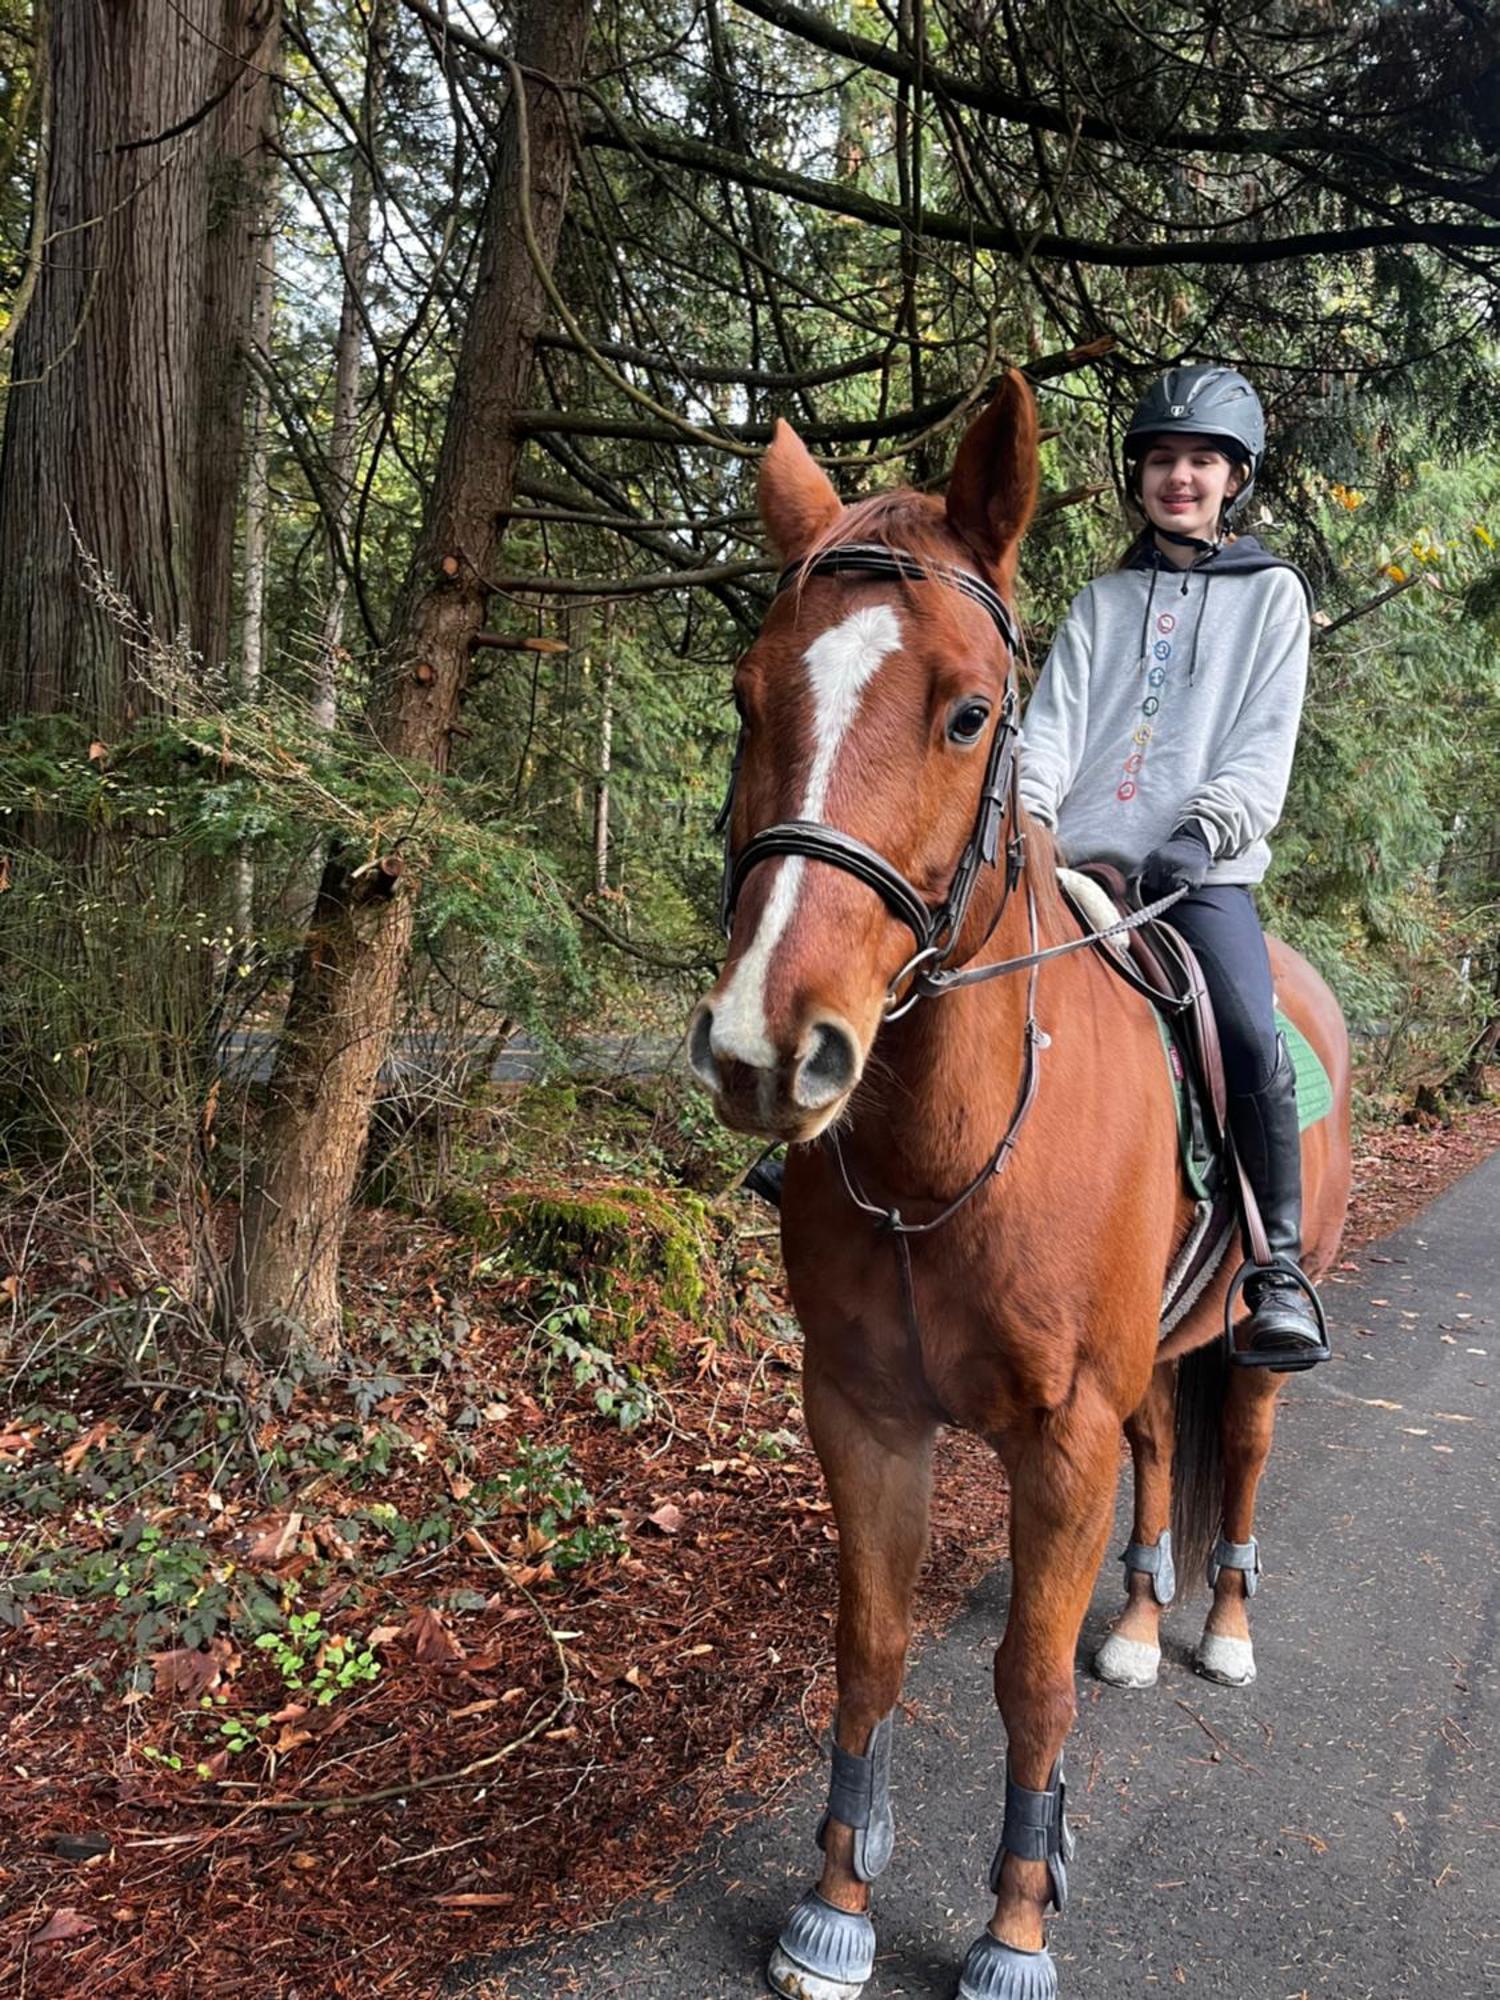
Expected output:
(1160, 654)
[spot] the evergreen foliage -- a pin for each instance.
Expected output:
(851, 215)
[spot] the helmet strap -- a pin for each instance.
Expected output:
(1188, 541)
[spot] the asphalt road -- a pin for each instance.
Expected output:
(1332, 1833)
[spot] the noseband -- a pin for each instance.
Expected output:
(935, 928)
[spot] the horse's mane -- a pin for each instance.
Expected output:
(900, 518)
(916, 525)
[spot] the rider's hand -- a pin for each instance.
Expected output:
(1181, 862)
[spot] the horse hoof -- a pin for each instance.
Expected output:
(1127, 1663)
(996, 1971)
(823, 1953)
(1230, 1662)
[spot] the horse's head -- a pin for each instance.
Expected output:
(870, 705)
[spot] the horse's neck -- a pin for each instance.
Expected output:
(944, 1080)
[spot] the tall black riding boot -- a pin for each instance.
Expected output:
(765, 1178)
(1283, 1320)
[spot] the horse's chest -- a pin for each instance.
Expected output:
(977, 1337)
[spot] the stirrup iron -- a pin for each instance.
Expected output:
(1285, 1360)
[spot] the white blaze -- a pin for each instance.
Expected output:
(840, 663)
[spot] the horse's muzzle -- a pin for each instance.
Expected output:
(788, 1095)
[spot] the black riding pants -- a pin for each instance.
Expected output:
(1220, 922)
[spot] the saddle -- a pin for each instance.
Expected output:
(1158, 961)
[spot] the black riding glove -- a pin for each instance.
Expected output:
(1181, 862)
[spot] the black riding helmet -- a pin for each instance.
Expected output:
(1215, 404)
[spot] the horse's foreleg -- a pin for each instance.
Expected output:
(1225, 1652)
(1131, 1655)
(879, 1473)
(1062, 1472)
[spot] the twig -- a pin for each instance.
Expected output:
(1225, 1749)
(1370, 604)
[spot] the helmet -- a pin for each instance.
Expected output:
(1216, 404)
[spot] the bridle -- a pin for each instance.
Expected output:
(935, 928)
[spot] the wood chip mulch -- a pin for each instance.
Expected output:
(539, 1744)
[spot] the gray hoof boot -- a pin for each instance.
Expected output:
(996, 1971)
(823, 1953)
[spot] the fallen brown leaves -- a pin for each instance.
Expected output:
(606, 1716)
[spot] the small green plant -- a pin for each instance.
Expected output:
(320, 1665)
(551, 1495)
(774, 1445)
(240, 1734)
(618, 1390)
(168, 1759)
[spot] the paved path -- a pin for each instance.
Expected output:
(1345, 1841)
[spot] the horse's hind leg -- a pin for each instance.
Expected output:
(1224, 1652)
(1062, 1473)
(1131, 1655)
(879, 1472)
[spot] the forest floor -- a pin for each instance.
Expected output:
(312, 1687)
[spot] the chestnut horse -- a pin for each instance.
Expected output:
(876, 779)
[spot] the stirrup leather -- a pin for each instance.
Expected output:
(1036, 1829)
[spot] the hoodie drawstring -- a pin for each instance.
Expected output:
(1140, 665)
(1208, 577)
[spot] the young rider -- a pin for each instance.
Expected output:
(1160, 738)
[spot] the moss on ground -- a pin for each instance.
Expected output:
(628, 1250)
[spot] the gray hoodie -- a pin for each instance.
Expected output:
(1172, 696)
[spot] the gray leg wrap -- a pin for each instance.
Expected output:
(1243, 1556)
(1036, 1829)
(859, 1796)
(1155, 1563)
(823, 1952)
(995, 1971)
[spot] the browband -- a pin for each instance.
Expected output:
(874, 559)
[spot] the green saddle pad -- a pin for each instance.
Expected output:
(1314, 1090)
(1314, 1101)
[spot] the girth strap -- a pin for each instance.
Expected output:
(1156, 1563)
(1036, 1829)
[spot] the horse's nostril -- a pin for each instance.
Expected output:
(829, 1067)
(700, 1050)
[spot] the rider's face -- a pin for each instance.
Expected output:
(1184, 487)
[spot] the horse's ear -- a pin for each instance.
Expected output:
(992, 488)
(796, 497)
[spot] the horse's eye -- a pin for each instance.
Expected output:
(966, 724)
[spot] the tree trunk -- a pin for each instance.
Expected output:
(343, 443)
(285, 1274)
(118, 496)
(606, 759)
(123, 418)
(257, 518)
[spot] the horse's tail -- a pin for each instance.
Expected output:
(1198, 1457)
